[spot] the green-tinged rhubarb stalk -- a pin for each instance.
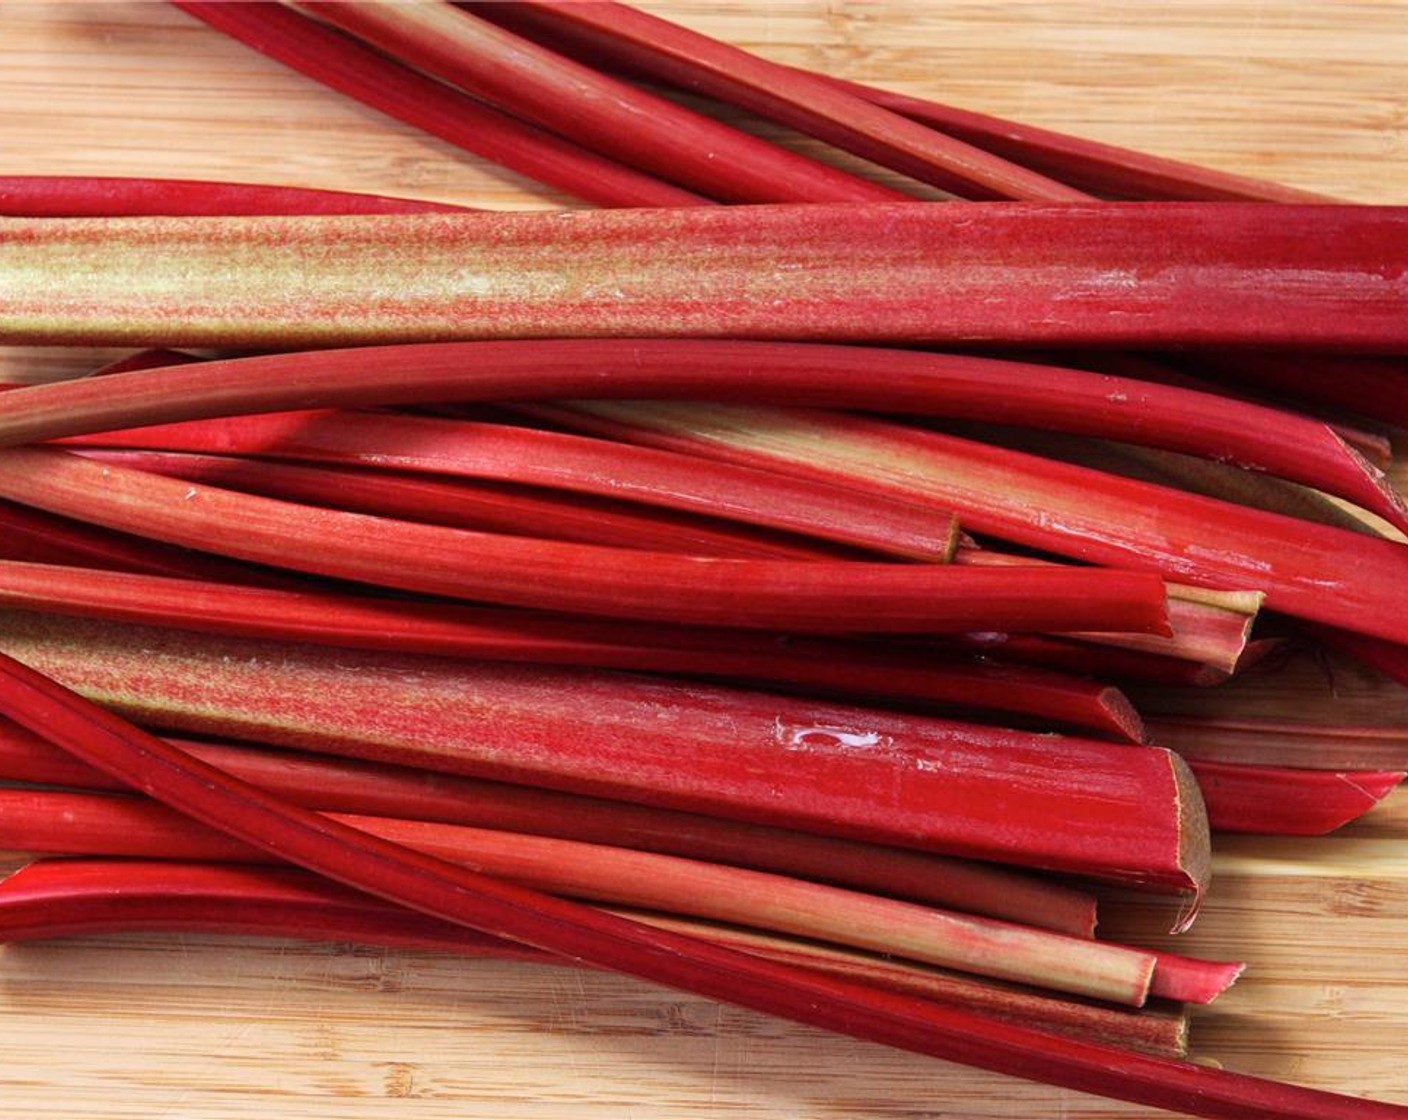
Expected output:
(1060, 803)
(1319, 278)
(573, 929)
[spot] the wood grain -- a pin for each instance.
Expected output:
(202, 1027)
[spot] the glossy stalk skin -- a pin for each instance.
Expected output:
(615, 35)
(588, 31)
(556, 460)
(1124, 275)
(1281, 801)
(76, 196)
(64, 898)
(621, 583)
(858, 670)
(398, 91)
(571, 929)
(1310, 571)
(1059, 803)
(608, 116)
(86, 824)
(1271, 743)
(1256, 439)
(481, 506)
(376, 789)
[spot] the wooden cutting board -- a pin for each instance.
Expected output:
(202, 1027)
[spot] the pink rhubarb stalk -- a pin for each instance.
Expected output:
(1318, 278)
(842, 669)
(398, 91)
(1061, 803)
(76, 196)
(608, 116)
(777, 595)
(377, 789)
(572, 929)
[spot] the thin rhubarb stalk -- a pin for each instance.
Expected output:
(699, 63)
(769, 594)
(572, 929)
(86, 824)
(557, 460)
(1318, 278)
(597, 33)
(606, 115)
(1376, 388)
(1056, 802)
(1110, 663)
(350, 68)
(378, 789)
(1280, 801)
(79, 196)
(841, 669)
(64, 898)
(1307, 570)
(483, 506)
(1268, 742)
(1250, 437)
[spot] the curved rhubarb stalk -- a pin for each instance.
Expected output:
(912, 781)
(399, 92)
(438, 35)
(64, 898)
(86, 824)
(838, 668)
(377, 789)
(79, 196)
(1280, 801)
(556, 460)
(775, 595)
(1136, 275)
(604, 114)
(571, 929)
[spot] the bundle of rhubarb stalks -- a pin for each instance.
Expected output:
(838, 552)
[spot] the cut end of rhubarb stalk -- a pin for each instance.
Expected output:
(1189, 980)
(1124, 718)
(1195, 848)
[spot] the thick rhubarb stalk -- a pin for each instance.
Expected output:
(398, 91)
(776, 595)
(575, 930)
(482, 506)
(377, 789)
(74, 196)
(1307, 570)
(1280, 801)
(606, 115)
(1266, 742)
(1060, 803)
(1319, 278)
(86, 824)
(600, 34)
(706, 65)
(64, 898)
(838, 668)
(556, 460)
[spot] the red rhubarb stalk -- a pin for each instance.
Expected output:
(77, 196)
(46, 821)
(572, 929)
(963, 789)
(1311, 571)
(556, 460)
(1281, 801)
(840, 668)
(601, 113)
(438, 34)
(1376, 388)
(1319, 278)
(377, 789)
(63, 898)
(777, 595)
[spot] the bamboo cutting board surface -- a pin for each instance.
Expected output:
(202, 1027)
